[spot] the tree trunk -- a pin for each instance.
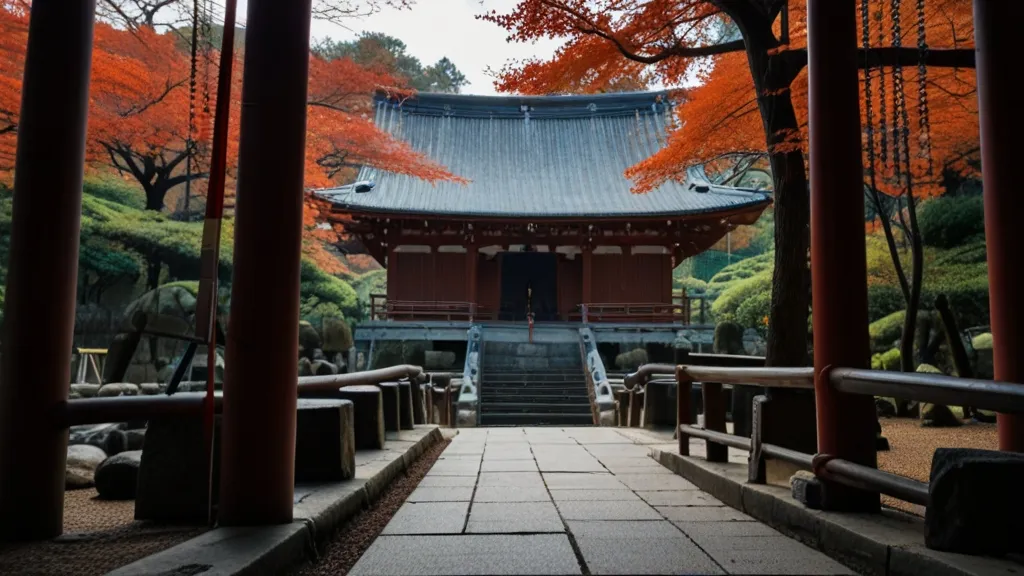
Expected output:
(917, 274)
(153, 268)
(155, 194)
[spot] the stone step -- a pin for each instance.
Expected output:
(527, 349)
(552, 419)
(535, 407)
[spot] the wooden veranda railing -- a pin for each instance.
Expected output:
(1001, 397)
(383, 308)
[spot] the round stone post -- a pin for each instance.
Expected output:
(260, 388)
(39, 316)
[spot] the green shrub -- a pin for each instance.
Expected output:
(950, 221)
(693, 285)
(741, 270)
(115, 190)
(753, 311)
(726, 305)
(885, 331)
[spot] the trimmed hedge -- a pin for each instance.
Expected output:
(950, 221)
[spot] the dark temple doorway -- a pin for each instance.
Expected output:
(529, 281)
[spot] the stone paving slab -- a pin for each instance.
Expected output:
(555, 464)
(511, 494)
(467, 555)
(441, 494)
(603, 481)
(680, 498)
(517, 479)
(454, 468)
(607, 510)
(703, 514)
(618, 451)
(428, 518)
(442, 481)
(651, 482)
(702, 532)
(518, 517)
(509, 466)
(508, 452)
(771, 561)
(649, 547)
(593, 495)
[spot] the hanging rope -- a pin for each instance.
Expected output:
(883, 129)
(190, 141)
(868, 104)
(925, 139)
(899, 111)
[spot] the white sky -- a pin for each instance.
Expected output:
(433, 29)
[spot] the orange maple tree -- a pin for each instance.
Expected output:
(748, 60)
(139, 107)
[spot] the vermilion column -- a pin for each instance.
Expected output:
(39, 315)
(588, 274)
(258, 456)
(999, 108)
(839, 278)
(472, 257)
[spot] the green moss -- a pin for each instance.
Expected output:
(890, 360)
(726, 306)
(982, 341)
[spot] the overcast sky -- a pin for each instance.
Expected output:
(433, 29)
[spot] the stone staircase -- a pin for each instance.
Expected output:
(533, 384)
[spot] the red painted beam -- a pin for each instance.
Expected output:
(846, 423)
(43, 269)
(1002, 122)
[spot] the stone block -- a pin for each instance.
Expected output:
(110, 438)
(368, 415)
(174, 471)
(660, 405)
(406, 419)
(392, 406)
(419, 404)
(325, 449)
(522, 517)
(807, 489)
(975, 504)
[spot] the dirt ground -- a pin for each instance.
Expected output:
(99, 536)
(912, 448)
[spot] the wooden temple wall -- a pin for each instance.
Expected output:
(621, 278)
(427, 277)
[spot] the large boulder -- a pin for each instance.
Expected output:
(309, 339)
(118, 389)
(323, 368)
(305, 367)
(136, 438)
(632, 359)
(83, 459)
(975, 504)
(983, 366)
(729, 339)
(85, 390)
(107, 437)
(117, 478)
(936, 415)
(337, 336)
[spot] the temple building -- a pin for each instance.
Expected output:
(547, 225)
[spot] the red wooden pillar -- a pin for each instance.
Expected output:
(588, 274)
(43, 269)
(258, 456)
(472, 257)
(999, 108)
(846, 423)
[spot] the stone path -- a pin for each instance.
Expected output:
(558, 501)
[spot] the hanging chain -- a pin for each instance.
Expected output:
(190, 141)
(899, 110)
(207, 56)
(883, 129)
(924, 141)
(868, 104)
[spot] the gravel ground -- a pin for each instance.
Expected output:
(912, 448)
(99, 536)
(349, 542)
